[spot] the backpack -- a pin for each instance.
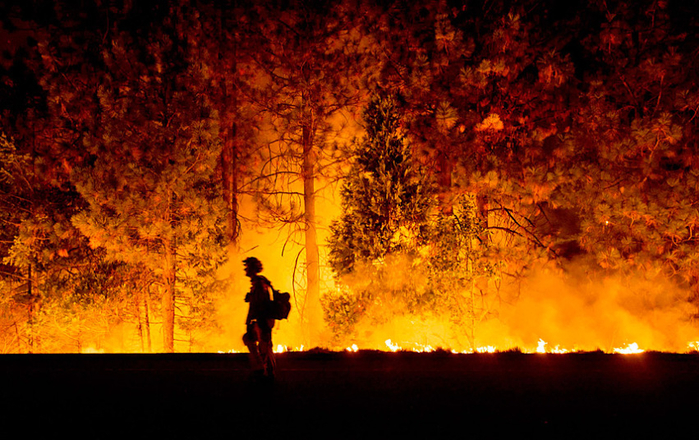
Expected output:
(280, 305)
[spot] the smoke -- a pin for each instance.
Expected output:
(572, 310)
(584, 312)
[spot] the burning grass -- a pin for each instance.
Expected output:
(542, 348)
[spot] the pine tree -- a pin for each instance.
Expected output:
(385, 200)
(386, 203)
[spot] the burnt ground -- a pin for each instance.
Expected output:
(351, 395)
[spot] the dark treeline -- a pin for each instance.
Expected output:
(496, 137)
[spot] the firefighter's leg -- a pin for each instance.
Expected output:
(267, 352)
(251, 340)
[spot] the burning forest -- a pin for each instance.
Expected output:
(467, 176)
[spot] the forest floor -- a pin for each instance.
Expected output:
(365, 394)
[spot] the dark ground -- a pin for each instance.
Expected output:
(351, 395)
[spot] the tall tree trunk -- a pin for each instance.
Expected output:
(142, 301)
(228, 114)
(312, 310)
(146, 321)
(139, 318)
(31, 311)
(168, 300)
(230, 183)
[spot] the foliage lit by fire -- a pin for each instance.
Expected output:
(459, 175)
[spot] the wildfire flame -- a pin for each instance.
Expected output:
(391, 346)
(417, 348)
(541, 348)
(629, 349)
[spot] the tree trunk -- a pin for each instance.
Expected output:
(228, 114)
(31, 312)
(146, 322)
(168, 300)
(230, 182)
(312, 310)
(142, 301)
(139, 319)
